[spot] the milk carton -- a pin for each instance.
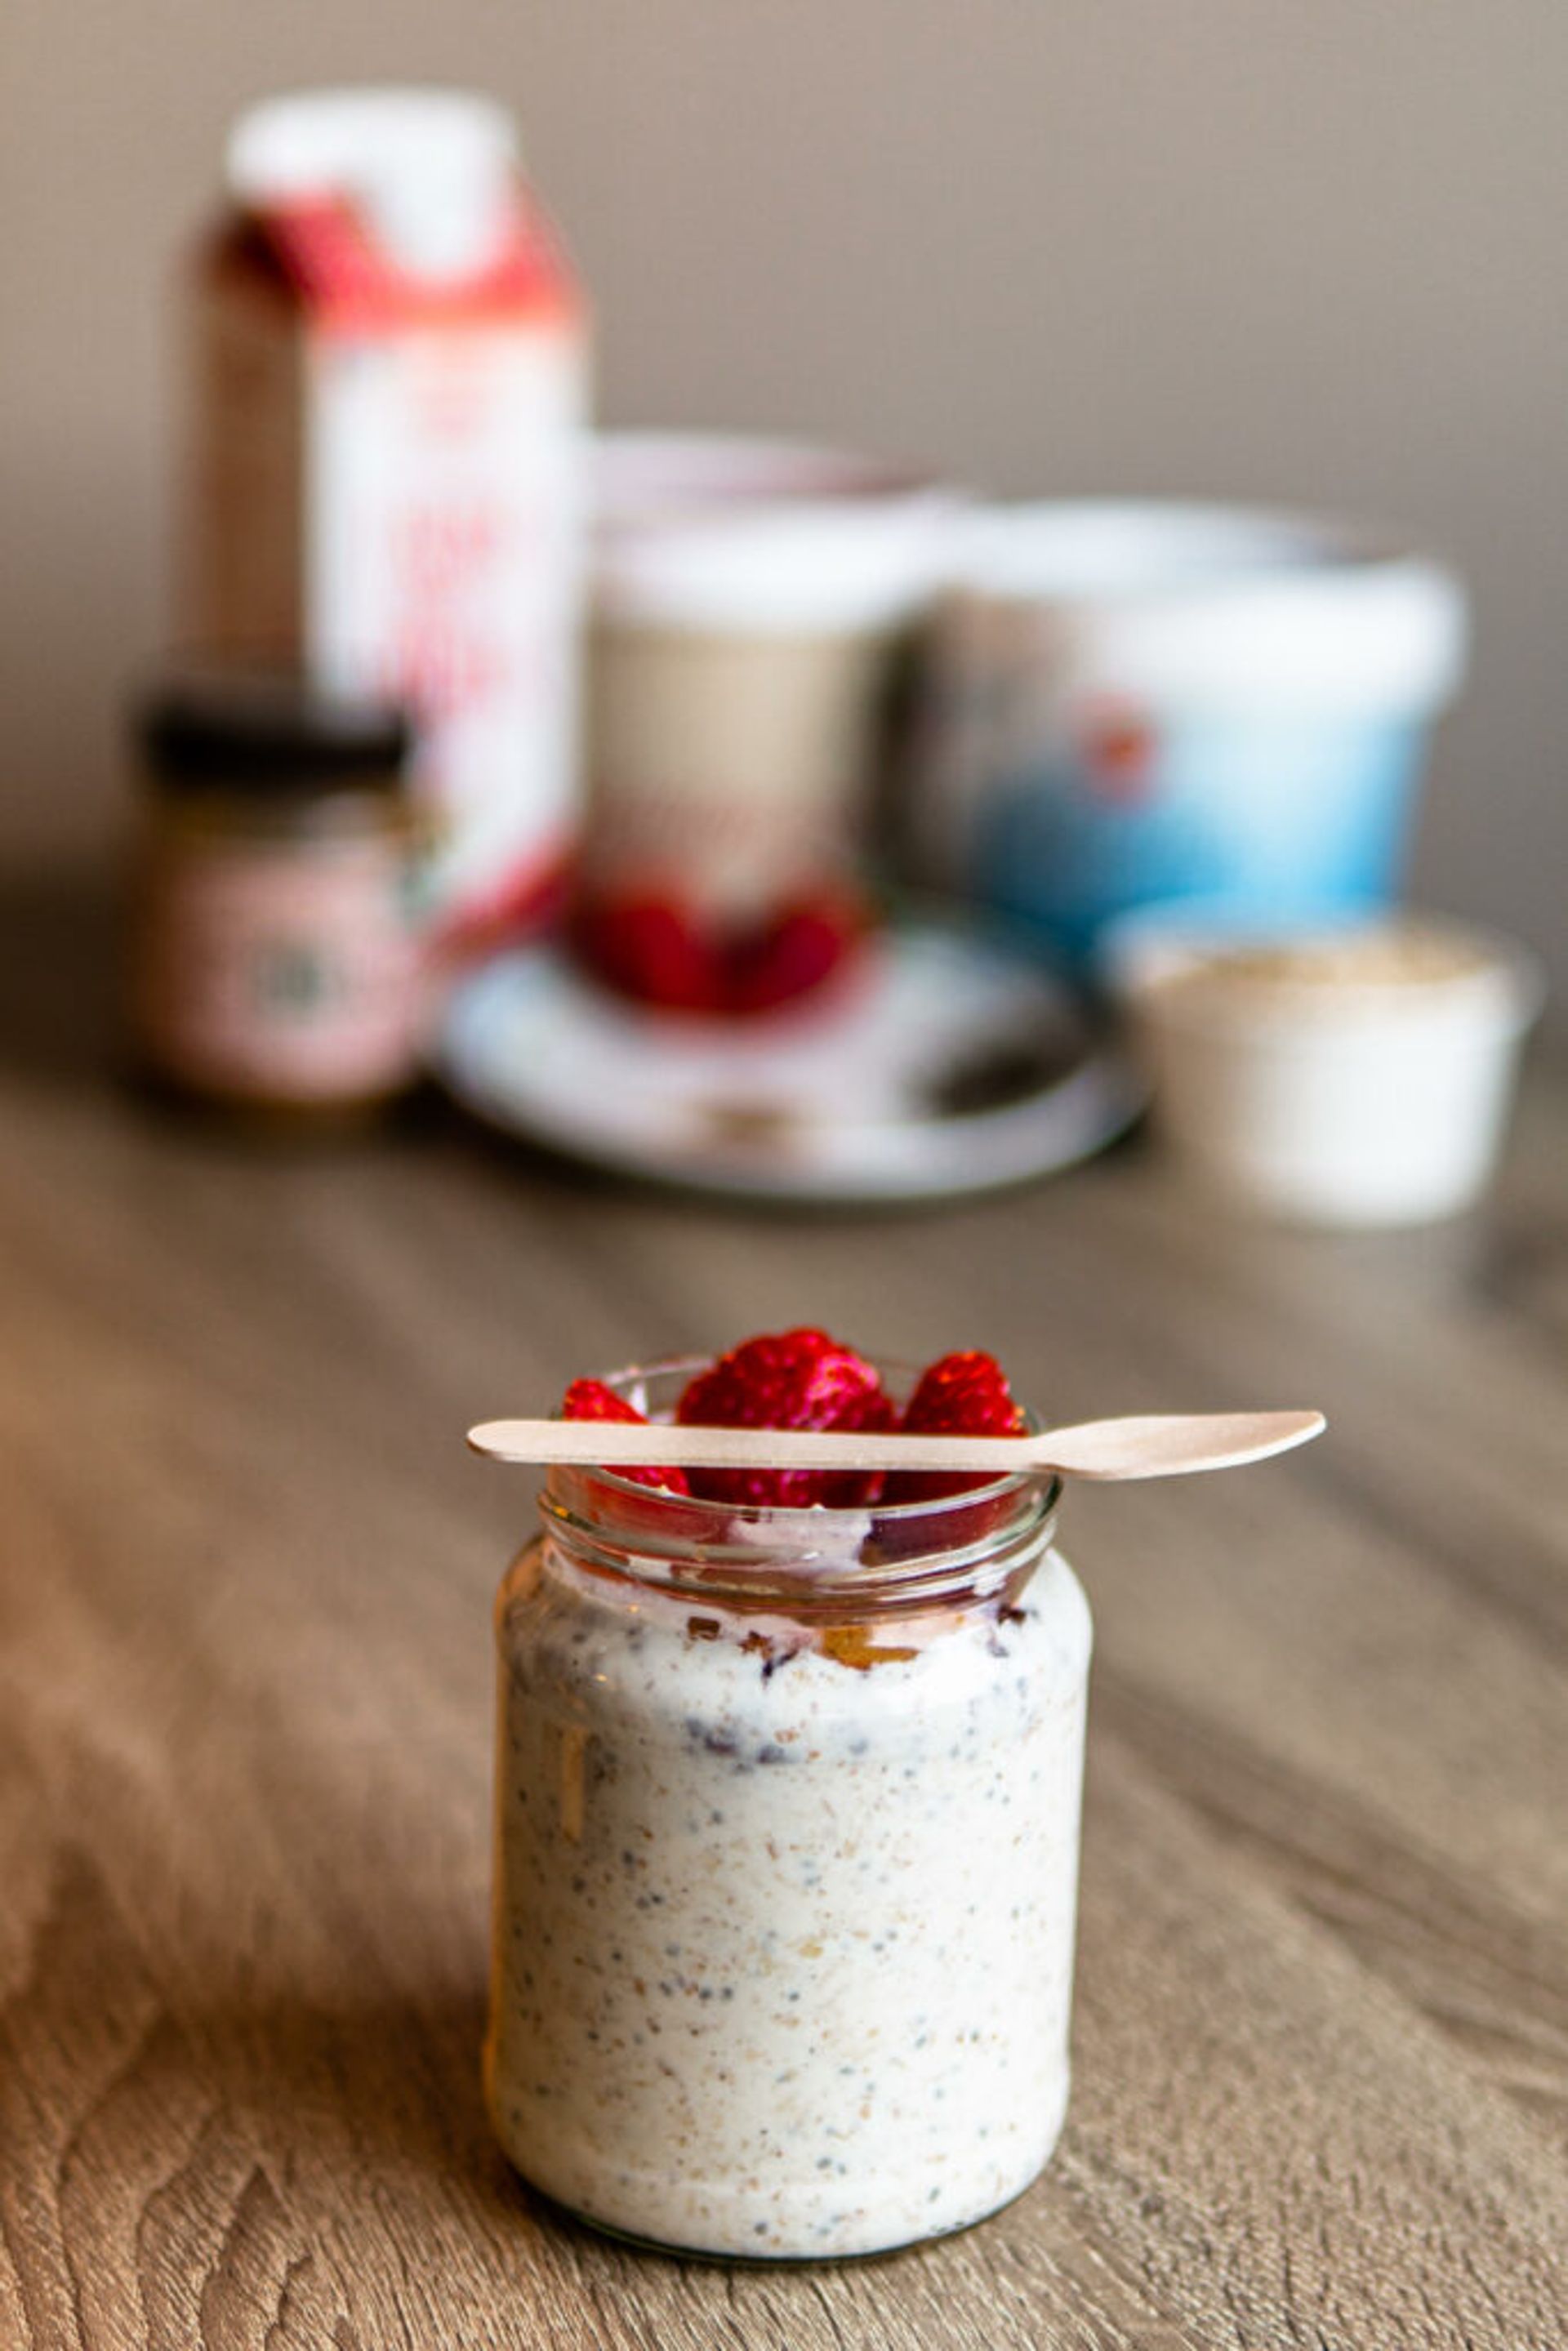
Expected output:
(388, 478)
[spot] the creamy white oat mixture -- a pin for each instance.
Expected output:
(783, 1945)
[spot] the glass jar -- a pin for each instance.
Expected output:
(275, 967)
(786, 1860)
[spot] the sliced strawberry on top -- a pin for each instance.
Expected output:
(592, 1400)
(791, 1379)
(962, 1394)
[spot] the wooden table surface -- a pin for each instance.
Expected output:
(1321, 2033)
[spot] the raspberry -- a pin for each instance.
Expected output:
(591, 1400)
(658, 951)
(793, 956)
(961, 1394)
(796, 1379)
(650, 950)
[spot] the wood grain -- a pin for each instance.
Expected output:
(1321, 2043)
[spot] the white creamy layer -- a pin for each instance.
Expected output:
(783, 1947)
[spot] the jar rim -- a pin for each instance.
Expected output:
(833, 1553)
(632, 1376)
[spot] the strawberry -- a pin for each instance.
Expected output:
(961, 1394)
(796, 1379)
(591, 1400)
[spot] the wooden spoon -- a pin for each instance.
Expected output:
(1157, 1445)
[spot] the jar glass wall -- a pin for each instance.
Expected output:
(786, 1860)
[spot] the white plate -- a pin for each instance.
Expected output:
(948, 1063)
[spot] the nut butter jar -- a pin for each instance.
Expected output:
(275, 965)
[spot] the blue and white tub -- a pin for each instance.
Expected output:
(1139, 702)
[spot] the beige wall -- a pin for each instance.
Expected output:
(1304, 249)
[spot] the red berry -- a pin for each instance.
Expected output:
(796, 1379)
(792, 956)
(962, 1394)
(591, 1400)
(650, 948)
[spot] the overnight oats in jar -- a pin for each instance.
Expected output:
(786, 1855)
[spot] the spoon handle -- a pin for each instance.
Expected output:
(1170, 1445)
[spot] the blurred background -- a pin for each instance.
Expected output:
(1304, 255)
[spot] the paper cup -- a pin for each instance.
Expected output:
(749, 599)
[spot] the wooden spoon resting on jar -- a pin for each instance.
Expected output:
(1151, 1444)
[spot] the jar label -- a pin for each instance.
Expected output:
(279, 971)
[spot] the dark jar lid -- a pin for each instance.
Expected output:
(203, 730)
